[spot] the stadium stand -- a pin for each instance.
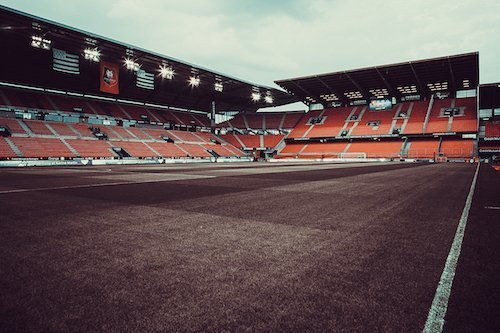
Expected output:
(492, 129)
(291, 150)
(264, 121)
(376, 149)
(422, 148)
(247, 141)
(16, 98)
(232, 139)
(220, 150)
(415, 115)
(468, 121)
(13, 125)
(323, 150)
(304, 126)
(207, 137)
(457, 148)
(123, 133)
(180, 136)
(489, 146)
(134, 149)
(5, 149)
(194, 150)
(82, 130)
(335, 120)
(41, 147)
(61, 129)
(438, 121)
(271, 141)
(155, 133)
(290, 120)
(167, 149)
(254, 121)
(465, 121)
(272, 120)
(91, 148)
(38, 127)
(138, 133)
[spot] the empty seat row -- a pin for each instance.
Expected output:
(415, 148)
(53, 102)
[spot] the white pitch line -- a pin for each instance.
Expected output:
(437, 312)
(491, 207)
(21, 190)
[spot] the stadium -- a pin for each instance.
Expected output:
(141, 192)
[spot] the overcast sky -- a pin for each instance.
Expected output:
(266, 40)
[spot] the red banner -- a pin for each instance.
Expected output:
(109, 77)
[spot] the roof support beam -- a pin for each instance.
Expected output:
(419, 84)
(452, 76)
(361, 90)
(332, 90)
(309, 94)
(386, 82)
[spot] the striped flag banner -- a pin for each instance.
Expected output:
(65, 62)
(145, 80)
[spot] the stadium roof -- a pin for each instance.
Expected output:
(423, 77)
(26, 65)
(489, 96)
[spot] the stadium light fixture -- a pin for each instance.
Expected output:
(132, 65)
(438, 86)
(194, 81)
(40, 42)
(218, 86)
(92, 54)
(379, 93)
(329, 97)
(353, 94)
(409, 89)
(269, 98)
(167, 72)
(255, 96)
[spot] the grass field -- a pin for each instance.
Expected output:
(245, 247)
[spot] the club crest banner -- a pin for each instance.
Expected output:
(109, 78)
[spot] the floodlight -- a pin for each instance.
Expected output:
(40, 42)
(255, 96)
(132, 65)
(218, 86)
(92, 54)
(269, 98)
(167, 72)
(194, 81)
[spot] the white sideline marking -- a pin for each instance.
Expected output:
(491, 207)
(437, 312)
(21, 190)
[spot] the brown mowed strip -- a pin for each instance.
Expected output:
(357, 249)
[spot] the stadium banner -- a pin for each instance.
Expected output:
(65, 62)
(109, 79)
(145, 80)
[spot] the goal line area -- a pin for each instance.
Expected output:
(352, 155)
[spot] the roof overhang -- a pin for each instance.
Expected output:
(422, 77)
(24, 64)
(489, 96)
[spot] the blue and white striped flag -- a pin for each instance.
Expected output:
(145, 80)
(65, 62)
